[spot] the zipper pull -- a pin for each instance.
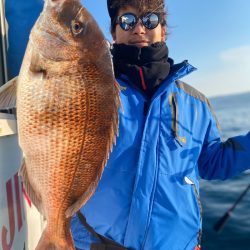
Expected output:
(188, 181)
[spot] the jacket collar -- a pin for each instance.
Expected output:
(177, 71)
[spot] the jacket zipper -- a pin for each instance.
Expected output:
(151, 198)
(152, 194)
(144, 87)
(175, 114)
(174, 109)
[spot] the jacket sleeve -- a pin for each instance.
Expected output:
(223, 160)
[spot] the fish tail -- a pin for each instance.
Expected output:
(48, 242)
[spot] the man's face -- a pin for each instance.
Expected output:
(139, 36)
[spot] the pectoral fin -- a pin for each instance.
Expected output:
(8, 94)
(35, 198)
(36, 63)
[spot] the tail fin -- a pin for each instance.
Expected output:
(49, 242)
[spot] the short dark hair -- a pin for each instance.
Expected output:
(141, 5)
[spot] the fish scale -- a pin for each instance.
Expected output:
(67, 112)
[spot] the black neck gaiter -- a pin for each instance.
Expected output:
(145, 67)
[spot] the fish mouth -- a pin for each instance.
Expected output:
(56, 36)
(52, 35)
(48, 32)
(49, 44)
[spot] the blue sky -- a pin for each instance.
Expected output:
(213, 35)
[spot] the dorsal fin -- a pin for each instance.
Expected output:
(8, 94)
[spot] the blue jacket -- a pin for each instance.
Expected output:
(148, 197)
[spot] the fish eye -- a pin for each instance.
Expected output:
(76, 27)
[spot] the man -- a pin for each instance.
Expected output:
(148, 197)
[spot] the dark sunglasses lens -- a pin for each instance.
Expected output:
(127, 21)
(150, 21)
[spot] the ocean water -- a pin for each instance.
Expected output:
(233, 113)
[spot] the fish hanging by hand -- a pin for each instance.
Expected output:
(67, 114)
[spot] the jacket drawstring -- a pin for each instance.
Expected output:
(143, 84)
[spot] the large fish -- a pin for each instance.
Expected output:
(67, 113)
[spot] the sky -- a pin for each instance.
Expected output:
(214, 36)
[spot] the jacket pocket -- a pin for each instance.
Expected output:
(189, 181)
(172, 99)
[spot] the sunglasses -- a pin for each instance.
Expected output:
(128, 21)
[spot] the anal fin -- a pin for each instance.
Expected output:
(34, 197)
(84, 198)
